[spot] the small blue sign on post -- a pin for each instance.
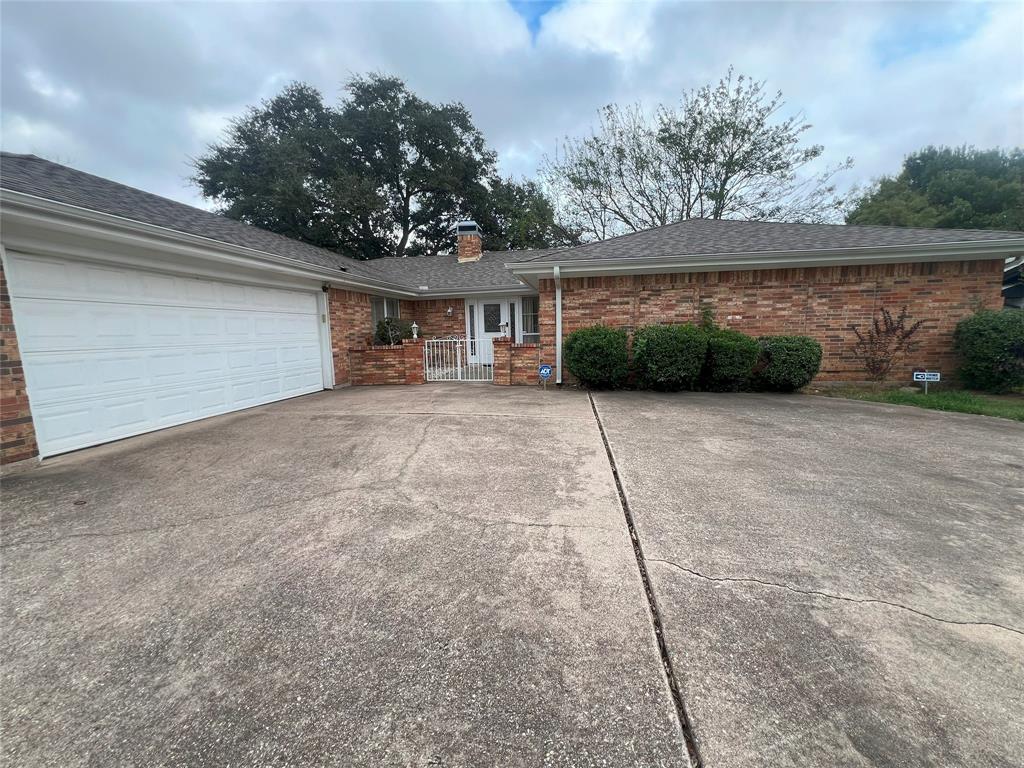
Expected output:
(545, 372)
(927, 376)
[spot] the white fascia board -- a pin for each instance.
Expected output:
(29, 223)
(467, 293)
(960, 251)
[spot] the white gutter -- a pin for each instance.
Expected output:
(85, 222)
(558, 325)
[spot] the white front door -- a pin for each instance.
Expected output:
(487, 319)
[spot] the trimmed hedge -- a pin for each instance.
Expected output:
(990, 345)
(597, 356)
(731, 359)
(669, 357)
(786, 363)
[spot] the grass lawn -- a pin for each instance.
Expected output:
(958, 400)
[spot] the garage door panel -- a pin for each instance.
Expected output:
(111, 352)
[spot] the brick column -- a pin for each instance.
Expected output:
(412, 357)
(503, 361)
(17, 432)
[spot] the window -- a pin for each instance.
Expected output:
(381, 308)
(512, 320)
(531, 333)
(492, 318)
(472, 329)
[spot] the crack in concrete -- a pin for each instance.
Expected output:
(834, 596)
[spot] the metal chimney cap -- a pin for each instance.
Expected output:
(467, 228)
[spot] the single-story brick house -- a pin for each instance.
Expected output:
(122, 312)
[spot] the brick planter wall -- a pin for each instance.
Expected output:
(399, 364)
(17, 432)
(821, 302)
(515, 364)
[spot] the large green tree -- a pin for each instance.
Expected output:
(962, 188)
(384, 173)
(723, 152)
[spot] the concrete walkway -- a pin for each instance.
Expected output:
(387, 576)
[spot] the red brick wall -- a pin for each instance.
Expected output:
(399, 364)
(821, 302)
(515, 364)
(525, 361)
(351, 328)
(432, 318)
(17, 433)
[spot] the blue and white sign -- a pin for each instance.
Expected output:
(545, 372)
(927, 376)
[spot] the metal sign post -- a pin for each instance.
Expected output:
(927, 376)
(545, 373)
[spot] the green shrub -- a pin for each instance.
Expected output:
(990, 345)
(786, 363)
(597, 356)
(669, 357)
(730, 360)
(391, 330)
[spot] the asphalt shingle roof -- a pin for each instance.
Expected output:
(704, 237)
(443, 271)
(32, 175)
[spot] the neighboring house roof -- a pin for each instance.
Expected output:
(701, 237)
(31, 175)
(444, 272)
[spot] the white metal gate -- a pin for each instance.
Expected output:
(458, 359)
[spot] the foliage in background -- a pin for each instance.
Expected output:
(963, 188)
(786, 363)
(597, 356)
(886, 340)
(385, 173)
(724, 152)
(990, 345)
(730, 360)
(391, 330)
(669, 357)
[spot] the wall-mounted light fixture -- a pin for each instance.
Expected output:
(415, 331)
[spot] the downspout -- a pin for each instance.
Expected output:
(558, 326)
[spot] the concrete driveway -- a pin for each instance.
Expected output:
(444, 575)
(841, 583)
(387, 576)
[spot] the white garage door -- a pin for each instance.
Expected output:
(115, 351)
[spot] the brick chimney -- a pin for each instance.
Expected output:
(470, 243)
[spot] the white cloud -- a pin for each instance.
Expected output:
(622, 29)
(45, 87)
(154, 83)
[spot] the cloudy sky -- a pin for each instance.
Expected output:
(131, 91)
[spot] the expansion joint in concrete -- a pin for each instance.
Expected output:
(685, 724)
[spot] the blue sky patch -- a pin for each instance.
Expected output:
(918, 33)
(532, 11)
